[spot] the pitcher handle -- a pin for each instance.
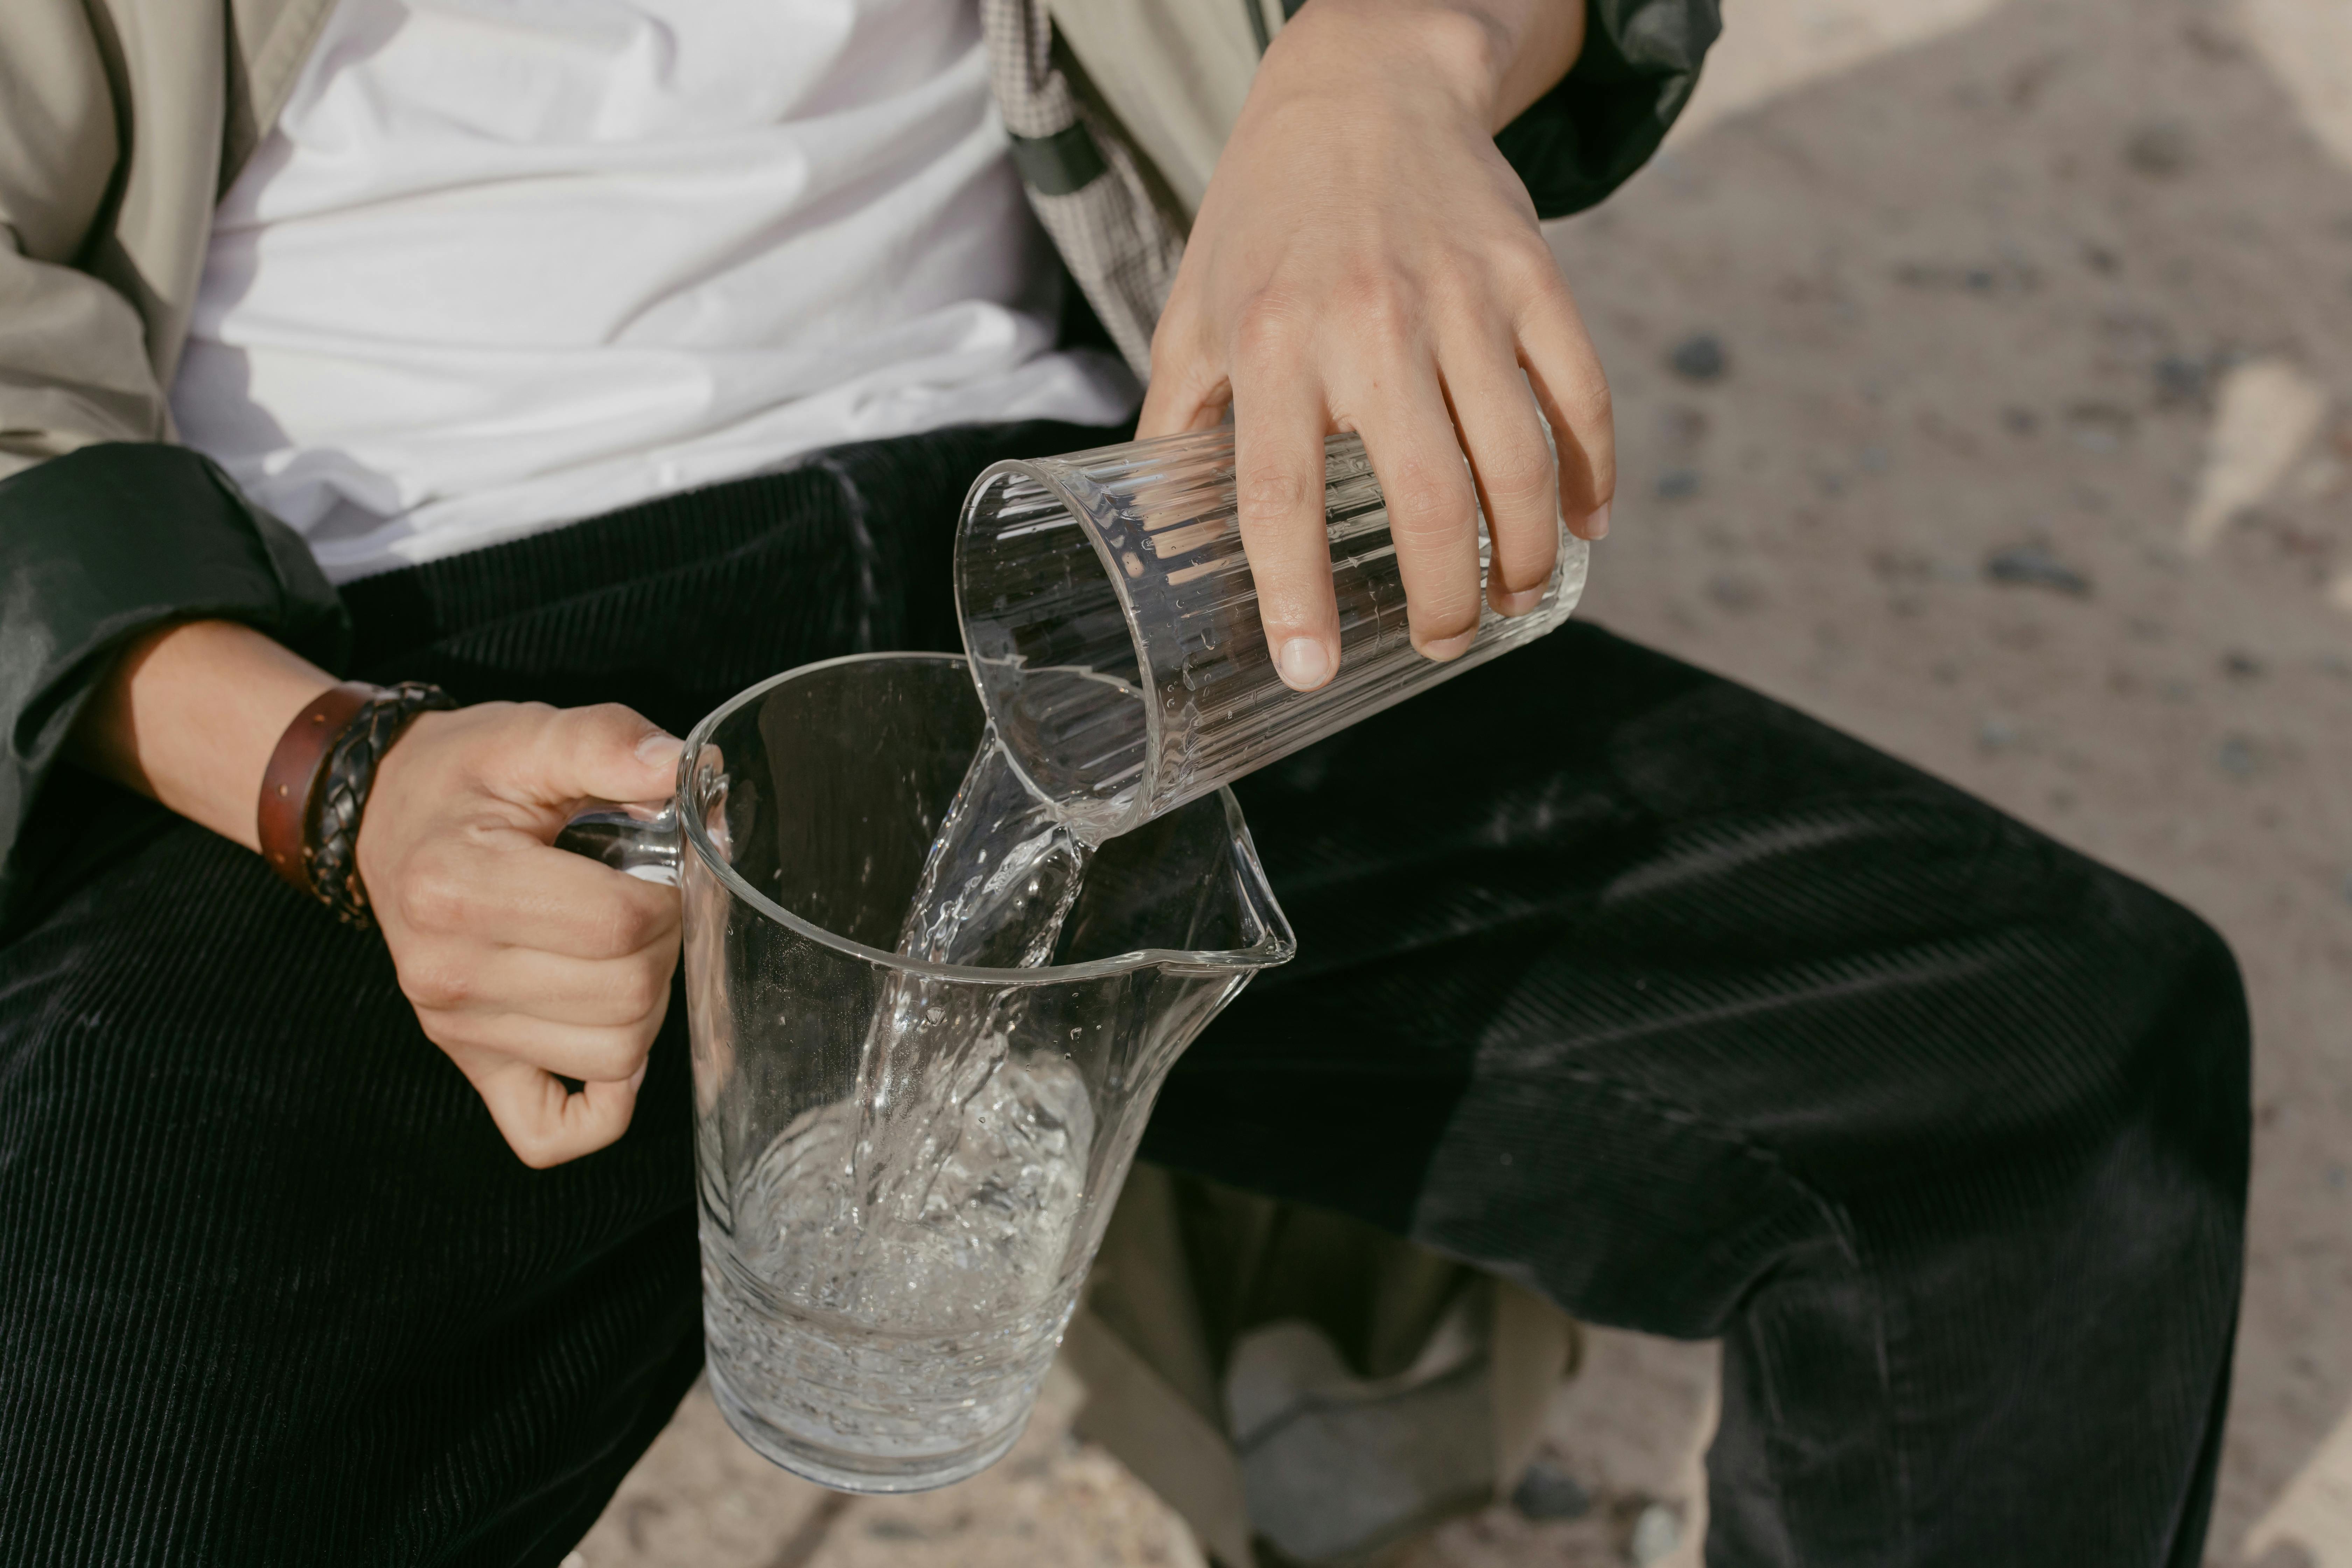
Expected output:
(640, 839)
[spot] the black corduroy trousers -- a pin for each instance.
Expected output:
(1614, 977)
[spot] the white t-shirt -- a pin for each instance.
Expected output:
(508, 263)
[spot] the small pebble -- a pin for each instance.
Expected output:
(2159, 150)
(1656, 1533)
(1700, 357)
(1733, 592)
(2239, 665)
(2179, 379)
(2034, 565)
(1678, 484)
(1996, 735)
(1548, 1492)
(2237, 757)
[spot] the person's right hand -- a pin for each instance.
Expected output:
(525, 963)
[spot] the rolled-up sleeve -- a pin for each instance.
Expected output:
(96, 547)
(1586, 136)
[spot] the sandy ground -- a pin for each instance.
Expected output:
(2029, 459)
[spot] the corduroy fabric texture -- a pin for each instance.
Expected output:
(1614, 977)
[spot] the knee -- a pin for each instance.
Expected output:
(2073, 1014)
(2189, 1039)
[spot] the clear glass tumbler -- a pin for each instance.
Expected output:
(1112, 623)
(885, 1276)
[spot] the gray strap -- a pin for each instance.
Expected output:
(1056, 166)
(1085, 180)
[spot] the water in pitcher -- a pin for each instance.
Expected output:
(902, 1251)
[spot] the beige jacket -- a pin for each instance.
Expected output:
(124, 120)
(121, 121)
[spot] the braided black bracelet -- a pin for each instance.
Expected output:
(342, 794)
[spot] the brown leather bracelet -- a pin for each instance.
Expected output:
(332, 843)
(289, 787)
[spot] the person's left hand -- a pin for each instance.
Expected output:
(1366, 260)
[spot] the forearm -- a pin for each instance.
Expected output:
(1501, 55)
(189, 717)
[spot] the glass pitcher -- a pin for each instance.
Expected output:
(885, 1279)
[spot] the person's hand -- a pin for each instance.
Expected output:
(525, 963)
(1364, 260)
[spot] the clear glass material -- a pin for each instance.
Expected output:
(1112, 623)
(892, 1244)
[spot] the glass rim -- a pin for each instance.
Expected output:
(1060, 476)
(1277, 946)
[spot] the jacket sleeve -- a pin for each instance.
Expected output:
(1586, 137)
(96, 547)
(106, 529)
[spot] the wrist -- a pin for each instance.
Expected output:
(1439, 47)
(321, 777)
(1491, 59)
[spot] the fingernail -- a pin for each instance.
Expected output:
(1597, 525)
(1520, 603)
(638, 1077)
(1303, 663)
(1444, 648)
(660, 751)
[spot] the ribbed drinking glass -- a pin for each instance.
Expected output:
(1112, 623)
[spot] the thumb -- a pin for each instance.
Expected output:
(604, 753)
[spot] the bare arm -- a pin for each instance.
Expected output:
(523, 962)
(1366, 260)
(190, 719)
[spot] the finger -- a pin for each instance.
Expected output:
(1188, 390)
(1180, 409)
(502, 886)
(1495, 416)
(462, 976)
(1573, 394)
(1278, 424)
(604, 753)
(1431, 506)
(596, 1054)
(544, 1122)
